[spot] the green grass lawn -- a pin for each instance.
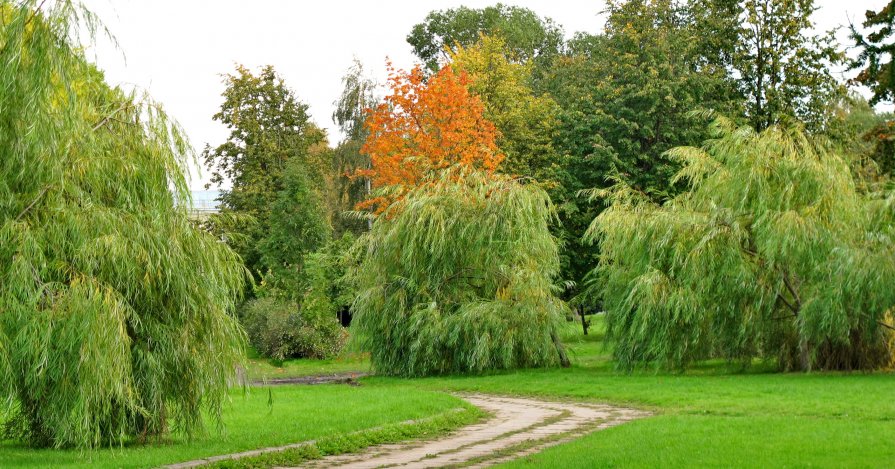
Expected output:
(297, 413)
(712, 416)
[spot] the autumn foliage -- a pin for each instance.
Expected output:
(426, 125)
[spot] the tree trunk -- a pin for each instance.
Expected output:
(563, 358)
(804, 356)
(584, 324)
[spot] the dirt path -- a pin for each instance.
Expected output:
(518, 427)
(349, 378)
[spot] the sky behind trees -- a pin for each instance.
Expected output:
(177, 50)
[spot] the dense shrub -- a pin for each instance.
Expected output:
(772, 253)
(279, 328)
(458, 277)
(303, 323)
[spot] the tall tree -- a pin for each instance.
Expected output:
(116, 311)
(425, 126)
(877, 72)
(458, 276)
(783, 67)
(268, 127)
(772, 253)
(866, 138)
(626, 98)
(352, 108)
(299, 225)
(527, 35)
(877, 51)
(715, 29)
(527, 122)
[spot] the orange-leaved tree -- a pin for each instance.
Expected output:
(425, 125)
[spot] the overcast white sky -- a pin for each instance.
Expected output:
(177, 49)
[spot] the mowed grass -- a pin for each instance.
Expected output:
(265, 417)
(713, 416)
(260, 369)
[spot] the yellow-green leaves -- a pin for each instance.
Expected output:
(527, 122)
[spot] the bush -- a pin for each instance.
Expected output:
(281, 329)
(458, 277)
(302, 321)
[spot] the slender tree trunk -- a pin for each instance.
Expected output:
(804, 356)
(563, 357)
(584, 324)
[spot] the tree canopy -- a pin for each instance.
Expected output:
(357, 98)
(877, 51)
(527, 122)
(116, 311)
(425, 126)
(268, 128)
(626, 97)
(783, 66)
(527, 35)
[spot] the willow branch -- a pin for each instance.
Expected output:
(792, 290)
(110, 117)
(795, 311)
(33, 202)
(35, 12)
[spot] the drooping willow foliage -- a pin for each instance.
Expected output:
(115, 314)
(458, 276)
(772, 253)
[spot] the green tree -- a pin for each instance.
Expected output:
(116, 311)
(527, 123)
(772, 253)
(715, 29)
(527, 36)
(268, 127)
(436, 296)
(299, 225)
(357, 98)
(783, 68)
(866, 138)
(878, 73)
(626, 98)
(877, 50)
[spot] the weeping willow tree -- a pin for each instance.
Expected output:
(458, 276)
(115, 315)
(772, 253)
